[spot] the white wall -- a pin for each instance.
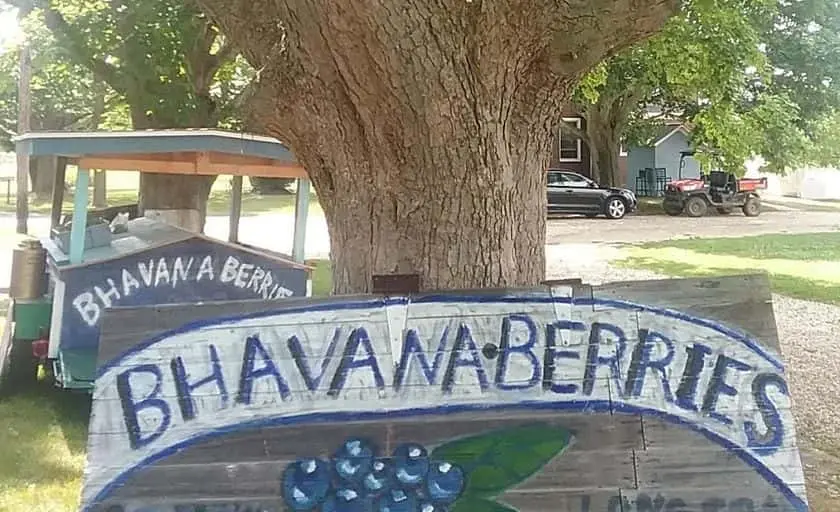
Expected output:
(807, 182)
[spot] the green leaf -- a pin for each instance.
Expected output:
(497, 460)
(467, 504)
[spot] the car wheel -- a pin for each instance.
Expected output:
(696, 206)
(752, 207)
(616, 208)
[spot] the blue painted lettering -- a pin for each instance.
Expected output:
(464, 343)
(184, 388)
(254, 349)
(358, 338)
(595, 360)
(719, 387)
(131, 407)
(413, 350)
(694, 364)
(506, 350)
(640, 362)
(552, 355)
(299, 356)
(769, 442)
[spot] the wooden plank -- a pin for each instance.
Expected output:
(723, 499)
(741, 302)
(207, 167)
(575, 398)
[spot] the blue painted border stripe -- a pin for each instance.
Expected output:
(741, 337)
(577, 406)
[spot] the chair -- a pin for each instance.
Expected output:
(662, 179)
(643, 182)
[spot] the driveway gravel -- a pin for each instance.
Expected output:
(808, 332)
(651, 228)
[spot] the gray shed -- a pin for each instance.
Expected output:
(662, 151)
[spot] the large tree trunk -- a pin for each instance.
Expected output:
(180, 200)
(425, 128)
(462, 212)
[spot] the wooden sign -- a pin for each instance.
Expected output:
(649, 396)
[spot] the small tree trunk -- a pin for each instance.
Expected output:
(42, 171)
(100, 187)
(178, 199)
(604, 140)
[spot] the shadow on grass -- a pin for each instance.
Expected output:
(43, 437)
(796, 287)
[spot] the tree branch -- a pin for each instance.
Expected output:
(78, 47)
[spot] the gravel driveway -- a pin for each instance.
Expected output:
(808, 332)
(650, 228)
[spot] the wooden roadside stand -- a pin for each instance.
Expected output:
(64, 282)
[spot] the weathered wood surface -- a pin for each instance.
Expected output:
(623, 445)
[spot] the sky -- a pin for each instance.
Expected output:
(8, 28)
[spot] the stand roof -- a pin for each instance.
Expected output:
(198, 151)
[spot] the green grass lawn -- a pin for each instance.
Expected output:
(218, 203)
(805, 266)
(43, 436)
(122, 188)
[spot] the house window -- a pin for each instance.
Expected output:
(569, 143)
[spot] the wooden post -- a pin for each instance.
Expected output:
(24, 116)
(58, 193)
(235, 208)
(301, 214)
(77, 232)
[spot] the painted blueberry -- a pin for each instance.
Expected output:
(306, 483)
(398, 500)
(346, 500)
(411, 464)
(444, 483)
(432, 507)
(353, 460)
(379, 479)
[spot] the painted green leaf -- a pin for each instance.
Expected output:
(468, 504)
(496, 461)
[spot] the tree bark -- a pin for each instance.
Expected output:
(425, 128)
(468, 219)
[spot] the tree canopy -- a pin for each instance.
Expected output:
(64, 92)
(750, 78)
(168, 64)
